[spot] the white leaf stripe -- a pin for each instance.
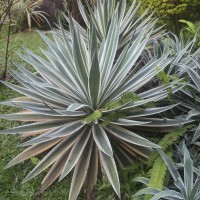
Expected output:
(80, 172)
(79, 56)
(34, 127)
(102, 139)
(76, 152)
(69, 129)
(129, 136)
(111, 171)
(32, 151)
(52, 156)
(110, 48)
(54, 76)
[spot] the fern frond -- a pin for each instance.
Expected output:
(125, 98)
(165, 80)
(163, 77)
(113, 116)
(128, 97)
(158, 174)
(97, 114)
(168, 140)
(158, 170)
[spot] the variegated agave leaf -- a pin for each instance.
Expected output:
(185, 65)
(191, 95)
(186, 186)
(130, 25)
(67, 104)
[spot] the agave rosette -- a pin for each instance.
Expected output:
(76, 81)
(186, 65)
(130, 25)
(190, 97)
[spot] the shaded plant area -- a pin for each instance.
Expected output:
(51, 10)
(100, 110)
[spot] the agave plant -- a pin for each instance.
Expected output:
(185, 65)
(187, 186)
(189, 96)
(87, 108)
(130, 25)
(181, 51)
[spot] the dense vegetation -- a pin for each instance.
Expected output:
(114, 100)
(170, 12)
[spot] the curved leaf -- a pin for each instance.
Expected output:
(111, 171)
(52, 156)
(102, 139)
(129, 136)
(169, 194)
(80, 172)
(76, 152)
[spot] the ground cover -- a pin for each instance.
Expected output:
(30, 40)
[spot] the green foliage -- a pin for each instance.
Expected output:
(17, 41)
(113, 116)
(165, 79)
(97, 114)
(35, 160)
(104, 190)
(158, 173)
(185, 186)
(169, 12)
(168, 140)
(128, 188)
(124, 99)
(158, 168)
(189, 31)
(128, 97)
(24, 13)
(190, 26)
